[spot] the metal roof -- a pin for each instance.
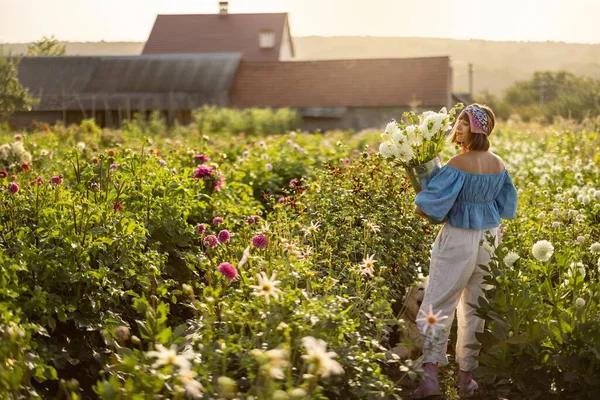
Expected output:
(175, 81)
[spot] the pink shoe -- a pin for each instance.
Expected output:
(468, 390)
(466, 384)
(429, 384)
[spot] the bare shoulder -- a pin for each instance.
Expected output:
(478, 162)
(498, 160)
(457, 161)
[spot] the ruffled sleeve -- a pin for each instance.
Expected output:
(442, 191)
(507, 199)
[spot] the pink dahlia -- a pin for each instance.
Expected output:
(252, 219)
(202, 171)
(201, 158)
(218, 181)
(201, 228)
(217, 221)
(224, 236)
(13, 187)
(56, 180)
(260, 241)
(228, 271)
(211, 241)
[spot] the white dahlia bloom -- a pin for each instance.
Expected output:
(511, 258)
(542, 250)
(386, 150)
(576, 268)
(398, 137)
(425, 131)
(404, 152)
(585, 199)
(321, 361)
(390, 129)
(488, 247)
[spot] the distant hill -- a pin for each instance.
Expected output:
(87, 48)
(496, 64)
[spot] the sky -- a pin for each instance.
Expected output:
(573, 21)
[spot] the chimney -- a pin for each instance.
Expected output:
(223, 7)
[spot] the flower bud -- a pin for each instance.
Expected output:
(227, 386)
(187, 289)
(280, 395)
(123, 333)
(298, 393)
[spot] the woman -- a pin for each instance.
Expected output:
(472, 192)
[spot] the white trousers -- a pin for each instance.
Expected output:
(455, 280)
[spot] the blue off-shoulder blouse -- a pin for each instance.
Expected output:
(473, 201)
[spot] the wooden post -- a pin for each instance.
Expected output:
(64, 108)
(107, 114)
(81, 107)
(94, 107)
(171, 109)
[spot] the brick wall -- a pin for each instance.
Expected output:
(346, 83)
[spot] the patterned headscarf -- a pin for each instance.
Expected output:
(478, 118)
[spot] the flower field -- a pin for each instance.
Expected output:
(138, 264)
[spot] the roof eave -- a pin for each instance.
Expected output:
(289, 32)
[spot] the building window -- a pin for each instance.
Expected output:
(223, 7)
(266, 39)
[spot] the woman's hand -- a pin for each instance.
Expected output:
(420, 212)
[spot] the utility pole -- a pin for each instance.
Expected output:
(471, 79)
(542, 89)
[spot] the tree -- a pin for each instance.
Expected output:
(554, 93)
(13, 96)
(47, 47)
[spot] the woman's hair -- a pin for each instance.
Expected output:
(475, 141)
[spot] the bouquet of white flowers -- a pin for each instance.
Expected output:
(416, 143)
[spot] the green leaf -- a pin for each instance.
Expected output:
(62, 316)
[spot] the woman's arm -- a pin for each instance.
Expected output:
(420, 212)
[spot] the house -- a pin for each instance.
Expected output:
(233, 60)
(259, 37)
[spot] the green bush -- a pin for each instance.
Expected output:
(252, 121)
